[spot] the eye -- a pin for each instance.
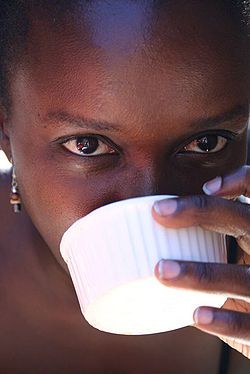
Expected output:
(88, 146)
(207, 144)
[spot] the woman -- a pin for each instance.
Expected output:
(103, 101)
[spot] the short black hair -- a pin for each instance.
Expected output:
(14, 28)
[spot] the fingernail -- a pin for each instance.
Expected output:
(168, 269)
(203, 316)
(212, 186)
(165, 207)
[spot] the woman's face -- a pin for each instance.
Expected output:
(127, 87)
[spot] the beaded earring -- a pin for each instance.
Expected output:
(15, 199)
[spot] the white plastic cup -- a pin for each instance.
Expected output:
(111, 254)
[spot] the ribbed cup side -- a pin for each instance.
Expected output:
(124, 244)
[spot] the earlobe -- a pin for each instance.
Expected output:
(4, 134)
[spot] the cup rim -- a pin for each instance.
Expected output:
(120, 203)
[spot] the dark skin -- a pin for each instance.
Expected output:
(151, 83)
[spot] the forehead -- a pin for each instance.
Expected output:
(104, 55)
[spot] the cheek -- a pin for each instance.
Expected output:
(55, 200)
(55, 193)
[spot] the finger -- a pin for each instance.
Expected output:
(211, 213)
(234, 184)
(226, 279)
(224, 323)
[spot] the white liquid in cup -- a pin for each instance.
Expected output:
(111, 254)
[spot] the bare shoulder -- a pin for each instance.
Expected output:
(5, 209)
(5, 181)
(5, 176)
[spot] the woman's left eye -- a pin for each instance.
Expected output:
(206, 144)
(88, 146)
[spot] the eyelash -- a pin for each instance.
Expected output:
(228, 136)
(222, 134)
(100, 139)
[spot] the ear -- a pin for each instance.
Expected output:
(4, 134)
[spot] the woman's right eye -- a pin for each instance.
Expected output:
(88, 146)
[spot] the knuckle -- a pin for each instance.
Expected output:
(246, 172)
(236, 323)
(203, 274)
(198, 209)
(242, 219)
(242, 210)
(245, 180)
(200, 202)
(246, 277)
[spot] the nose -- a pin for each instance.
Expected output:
(151, 178)
(139, 179)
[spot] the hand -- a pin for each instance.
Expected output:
(232, 322)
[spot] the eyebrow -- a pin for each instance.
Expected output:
(61, 117)
(239, 112)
